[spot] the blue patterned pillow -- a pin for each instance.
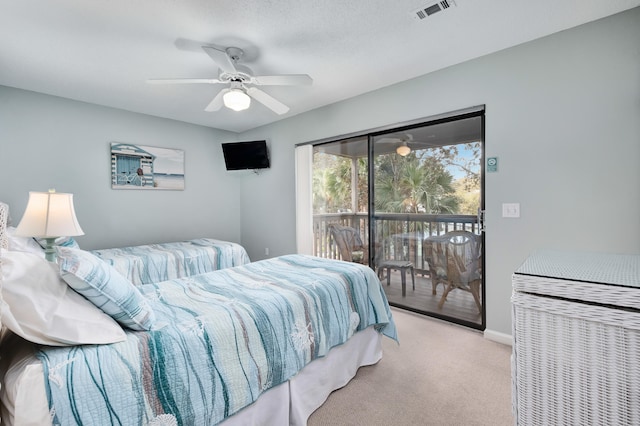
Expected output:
(67, 242)
(60, 241)
(105, 287)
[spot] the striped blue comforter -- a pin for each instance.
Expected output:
(153, 263)
(224, 338)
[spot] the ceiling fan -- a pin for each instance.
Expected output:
(403, 143)
(242, 83)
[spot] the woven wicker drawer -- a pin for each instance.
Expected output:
(576, 352)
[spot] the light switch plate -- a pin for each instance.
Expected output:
(511, 210)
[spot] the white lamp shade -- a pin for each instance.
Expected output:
(236, 100)
(403, 150)
(48, 215)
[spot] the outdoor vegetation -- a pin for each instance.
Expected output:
(441, 180)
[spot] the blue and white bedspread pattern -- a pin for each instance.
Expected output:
(224, 338)
(153, 263)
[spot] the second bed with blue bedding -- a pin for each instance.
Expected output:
(152, 263)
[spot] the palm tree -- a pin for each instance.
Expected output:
(413, 184)
(332, 186)
(417, 183)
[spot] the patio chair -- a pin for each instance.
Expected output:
(349, 243)
(455, 262)
(398, 265)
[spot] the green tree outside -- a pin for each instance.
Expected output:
(421, 182)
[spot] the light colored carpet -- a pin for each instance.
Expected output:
(440, 374)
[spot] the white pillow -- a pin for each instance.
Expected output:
(32, 245)
(40, 307)
(25, 244)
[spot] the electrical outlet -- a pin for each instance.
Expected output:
(266, 251)
(511, 210)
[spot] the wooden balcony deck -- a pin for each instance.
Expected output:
(459, 305)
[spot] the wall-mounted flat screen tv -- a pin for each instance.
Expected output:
(246, 155)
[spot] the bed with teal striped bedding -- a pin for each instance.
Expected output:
(153, 263)
(222, 339)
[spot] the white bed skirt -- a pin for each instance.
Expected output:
(24, 402)
(292, 403)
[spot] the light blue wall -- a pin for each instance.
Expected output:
(562, 115)
(47, 142)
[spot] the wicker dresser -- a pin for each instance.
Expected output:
(576, 330)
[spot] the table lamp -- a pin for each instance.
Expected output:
(49, 215)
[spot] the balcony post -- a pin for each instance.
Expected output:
(354, 190)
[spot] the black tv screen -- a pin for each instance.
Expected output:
(246, 155)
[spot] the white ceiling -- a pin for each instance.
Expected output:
(103, 51)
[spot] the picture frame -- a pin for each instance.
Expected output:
(146, 167)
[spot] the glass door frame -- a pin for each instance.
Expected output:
(371, 209)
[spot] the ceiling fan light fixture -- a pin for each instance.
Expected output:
(236, 100)
(403, 149)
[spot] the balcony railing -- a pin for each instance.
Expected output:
(397, 235)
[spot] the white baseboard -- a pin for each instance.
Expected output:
(496, 336)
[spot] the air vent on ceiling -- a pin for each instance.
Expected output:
(426, 11)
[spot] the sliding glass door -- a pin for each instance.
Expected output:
(427, 192)
(341, 200)
(406, 202)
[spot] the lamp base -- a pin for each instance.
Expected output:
(50, 250)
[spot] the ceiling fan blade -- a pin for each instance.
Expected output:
(183, 81)
(406, 138)
(221, 58)
(267, 100)
(389, 140)
(283, 80)
(217, 102)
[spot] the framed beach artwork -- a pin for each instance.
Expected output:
(146, 167)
